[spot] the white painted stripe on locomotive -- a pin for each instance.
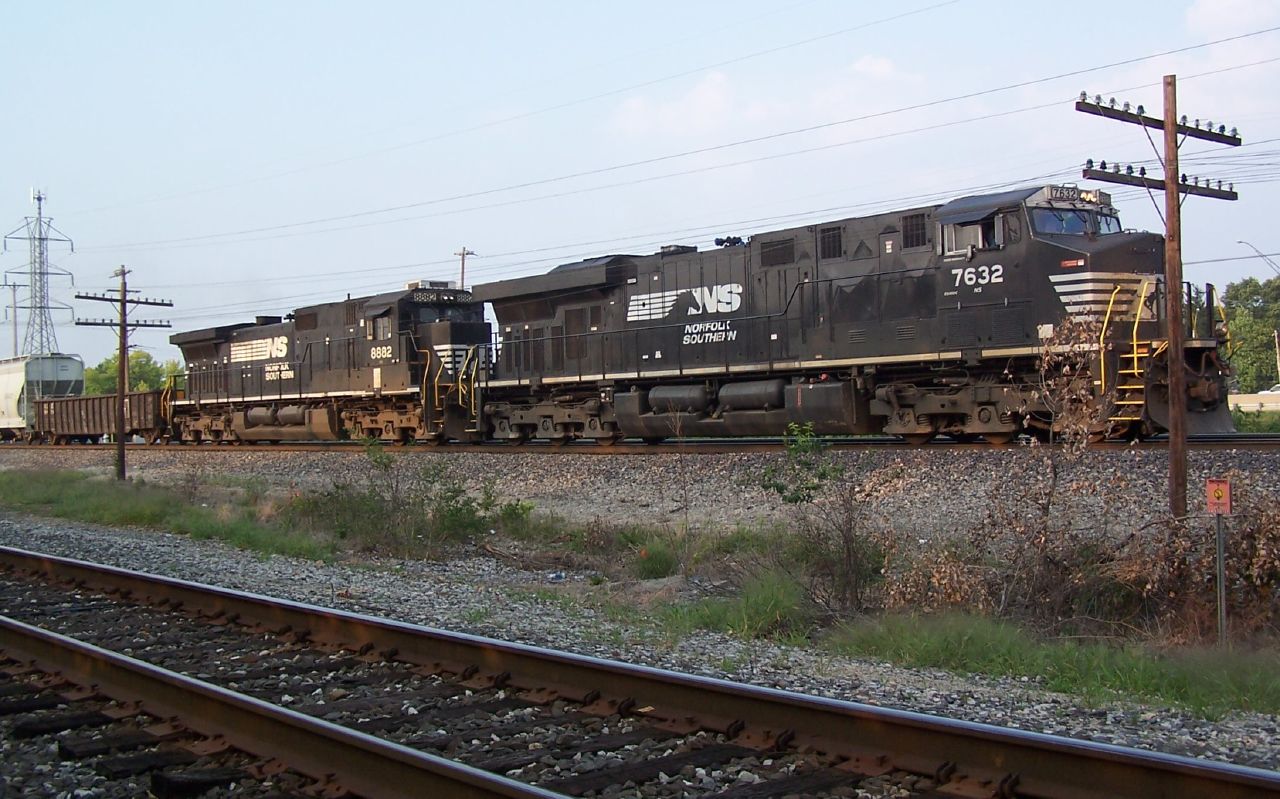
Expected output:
(292, 397)
(647, 307)
(1117, 277)
(752, 367)
(1125, 295)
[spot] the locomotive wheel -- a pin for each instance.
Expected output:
(653, 439)
(918, 439)
(559, 441)
(998, 439)
(608, 441)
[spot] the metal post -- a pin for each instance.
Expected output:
(1173, 306)
(1275, 334)
(13, 289)
(122, 373)
(1222, 585)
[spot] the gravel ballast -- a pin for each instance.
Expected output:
(930, 491)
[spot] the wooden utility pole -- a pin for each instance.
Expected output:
(122, 325)
(1173, 305)
(462, 278)
(1175, 186)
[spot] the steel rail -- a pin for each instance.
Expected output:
(970, 759)
(699, 446)
(361, 763)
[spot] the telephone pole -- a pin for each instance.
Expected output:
(1175, 186)
(38, 231)
(13, 305)
(123, 325)
(462, 279)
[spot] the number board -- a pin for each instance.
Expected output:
(1068, 193)
(1218, 496)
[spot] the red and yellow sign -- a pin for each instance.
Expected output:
(1218, 496)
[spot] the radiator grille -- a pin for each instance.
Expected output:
(961, 330)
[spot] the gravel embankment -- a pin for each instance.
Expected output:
(932, 491)
(918, 490)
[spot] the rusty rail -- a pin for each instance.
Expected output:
(340, 757)
(968, 759)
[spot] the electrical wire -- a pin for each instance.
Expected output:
(704, 150)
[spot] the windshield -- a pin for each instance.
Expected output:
(1053, 220)
(1073, 222)
(1108, 224)
(446, 313)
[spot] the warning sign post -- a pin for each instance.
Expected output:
(1218, 502)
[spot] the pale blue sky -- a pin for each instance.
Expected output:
(161, 131)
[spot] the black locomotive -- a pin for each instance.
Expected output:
(918, 322)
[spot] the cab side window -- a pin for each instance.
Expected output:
(983, 234)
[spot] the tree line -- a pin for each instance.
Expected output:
(144, 374)
(1253, 317)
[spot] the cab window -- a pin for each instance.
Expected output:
(1108, 224)
(982, 234)
(1060, 221)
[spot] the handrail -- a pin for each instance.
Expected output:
(1137, 317)
(1102, 336)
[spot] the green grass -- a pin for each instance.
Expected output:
(73, 495)
(1256, 421)
(769, 605)
(1205, 681)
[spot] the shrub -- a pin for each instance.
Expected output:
(656, 559)
(768, 604)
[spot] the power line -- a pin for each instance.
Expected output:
(713, 148)
(559, 106)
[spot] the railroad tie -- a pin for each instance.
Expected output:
(80, 748)
(44, 725)
(193, 782)
(518, 760)
(648, 770)
(115, 768)
(802, 783)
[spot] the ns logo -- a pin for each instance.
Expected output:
(722, 298)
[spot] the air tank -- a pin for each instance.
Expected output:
(292, 414)
(671, 399)
(755, 395)
(256, 416)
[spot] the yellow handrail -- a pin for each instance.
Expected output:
(1226, 326)
(1102, 336)
(1137, 317)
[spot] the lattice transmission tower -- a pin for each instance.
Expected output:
(38, 231)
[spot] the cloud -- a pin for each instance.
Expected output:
(1224, 17)
(706, 107)
(874, 66)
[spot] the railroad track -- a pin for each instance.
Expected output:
(706, 446)
(277, 695)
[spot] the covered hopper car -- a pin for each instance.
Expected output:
(25, 380)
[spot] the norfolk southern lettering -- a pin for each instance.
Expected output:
(709, 333)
